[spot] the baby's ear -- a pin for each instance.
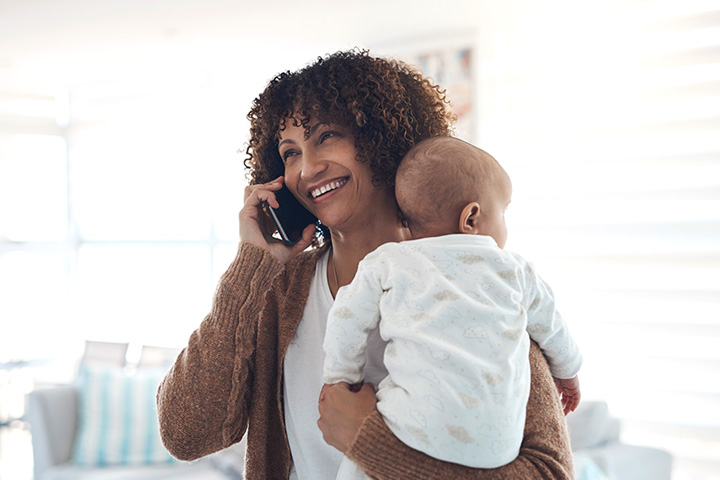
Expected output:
(403, 219)
(470, 218)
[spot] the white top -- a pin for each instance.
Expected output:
(454, 310)
(312, 458)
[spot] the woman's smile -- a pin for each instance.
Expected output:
(327, 188)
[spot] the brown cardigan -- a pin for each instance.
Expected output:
(230, 375)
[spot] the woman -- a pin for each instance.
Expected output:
(334, 133)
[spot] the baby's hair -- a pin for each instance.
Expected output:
(438, 177)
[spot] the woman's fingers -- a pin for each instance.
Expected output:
(261, 191)
(305, 241)
(255, 226)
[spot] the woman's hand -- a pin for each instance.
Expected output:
(257, 228)
(342, 413)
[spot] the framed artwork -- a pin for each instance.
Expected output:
(452, 69)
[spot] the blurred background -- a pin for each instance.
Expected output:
(122, 139)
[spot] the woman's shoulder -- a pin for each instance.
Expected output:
(308, 257)
(303, 264)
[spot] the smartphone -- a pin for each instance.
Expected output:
(291, 218)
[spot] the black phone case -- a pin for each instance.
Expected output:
(291, 218)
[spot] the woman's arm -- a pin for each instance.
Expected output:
(545, 452)
(203, 400)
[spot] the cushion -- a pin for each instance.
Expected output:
(118, 419)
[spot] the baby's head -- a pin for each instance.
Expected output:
(445, 185)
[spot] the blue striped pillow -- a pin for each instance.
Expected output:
(118, 419)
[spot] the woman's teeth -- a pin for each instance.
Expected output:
(326, 188)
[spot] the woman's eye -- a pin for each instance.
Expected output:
(325, 135)
(288, 154)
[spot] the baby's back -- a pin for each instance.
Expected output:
(458, 350)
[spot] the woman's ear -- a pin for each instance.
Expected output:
(470, 218)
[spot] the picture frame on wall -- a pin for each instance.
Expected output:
(449, 61)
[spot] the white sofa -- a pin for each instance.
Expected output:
(595, 437)
(53, 417)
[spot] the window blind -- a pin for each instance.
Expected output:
(607, 118)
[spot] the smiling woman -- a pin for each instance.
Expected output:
(334, 133)
(323, 171)
(311, 121)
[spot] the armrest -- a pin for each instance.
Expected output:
(52, 414)
(591, 426)
(596, 434)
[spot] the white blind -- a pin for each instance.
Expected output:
(607, 117)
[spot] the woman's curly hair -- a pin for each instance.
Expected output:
(387, 105)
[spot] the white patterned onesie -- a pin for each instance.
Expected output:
(455, 311)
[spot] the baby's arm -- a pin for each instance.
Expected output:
(569, 390)
(353, 315)
(547, 327)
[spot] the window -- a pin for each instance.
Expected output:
(116, 226)
(33, 187)
(607, 121)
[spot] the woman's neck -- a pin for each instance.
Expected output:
(348, 248)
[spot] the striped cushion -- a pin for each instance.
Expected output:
(118, 419)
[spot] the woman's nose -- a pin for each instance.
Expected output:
(312, 165)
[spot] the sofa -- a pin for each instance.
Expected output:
(600, 454)
(55, 417)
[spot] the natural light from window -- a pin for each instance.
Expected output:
(119, 200)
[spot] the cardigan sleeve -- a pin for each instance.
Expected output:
(203, 400)
(545, 452)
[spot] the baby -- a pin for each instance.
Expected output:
(458, 313)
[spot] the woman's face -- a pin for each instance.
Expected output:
(324, 174)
